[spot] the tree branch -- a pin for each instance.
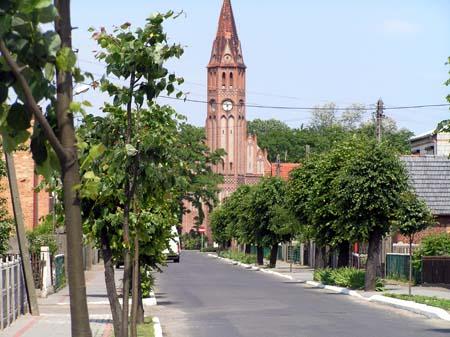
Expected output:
(31, 103)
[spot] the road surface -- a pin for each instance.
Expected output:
(204, 297)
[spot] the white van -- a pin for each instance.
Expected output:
(173, 253)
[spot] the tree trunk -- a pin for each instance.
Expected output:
(373, 259)
(70, 173)
(126, 221)
(116, 309)
(273, 256)
(344, 256)
(248, 249)
(135, 290)
(260, 255)
(321, 257)
(140, 310)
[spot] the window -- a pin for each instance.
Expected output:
(224, 80)
(231, 81)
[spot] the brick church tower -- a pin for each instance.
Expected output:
(226, 124)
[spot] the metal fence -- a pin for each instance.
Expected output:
(403, 248)
(13, 298)
(397, 267)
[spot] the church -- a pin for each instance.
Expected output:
(226, 125)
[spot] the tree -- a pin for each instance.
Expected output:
(412, 217)
(30, 60)
(323, 116)
(368, 190)
(352, 116)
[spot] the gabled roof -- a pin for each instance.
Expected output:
(430, 177)
(285, 169)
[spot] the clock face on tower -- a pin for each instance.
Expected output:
(227, 105)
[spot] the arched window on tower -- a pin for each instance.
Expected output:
(212, 105)
(224, 80)
(231, 81)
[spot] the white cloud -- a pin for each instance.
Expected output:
(399, 27)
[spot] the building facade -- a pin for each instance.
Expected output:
(431, 143)
(226, 124)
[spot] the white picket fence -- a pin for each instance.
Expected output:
(13, 297)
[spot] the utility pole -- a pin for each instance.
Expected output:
(278, 165)
(380, 115)
(21, 236)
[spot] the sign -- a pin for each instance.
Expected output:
(202, 230)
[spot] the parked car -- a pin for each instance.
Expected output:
(173, 252)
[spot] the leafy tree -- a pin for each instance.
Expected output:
(412, 217)
(266, 212)
(38, 65)
(368, 190)
(324, 116)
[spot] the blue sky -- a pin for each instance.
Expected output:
(302, 53)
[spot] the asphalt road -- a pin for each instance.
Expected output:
(204, 297)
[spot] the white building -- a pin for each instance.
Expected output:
(431, 143)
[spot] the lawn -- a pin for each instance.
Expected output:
(432, 301)
(146, 329)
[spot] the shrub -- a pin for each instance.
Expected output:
(209, 250)
(432, 245)
(191, 241)
(42, 235)
(238, 256)
(344, 277)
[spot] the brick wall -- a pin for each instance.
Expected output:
(34, 205)
(442, 227)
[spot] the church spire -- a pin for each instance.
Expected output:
(227, 47)
(227, 26)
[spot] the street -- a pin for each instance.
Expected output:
(204, 297)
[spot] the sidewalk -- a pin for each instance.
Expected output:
(304, 273)
(54, 319)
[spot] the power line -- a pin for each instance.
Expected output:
(259, 106)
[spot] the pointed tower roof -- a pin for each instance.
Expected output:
(227, 26)
(226, 49)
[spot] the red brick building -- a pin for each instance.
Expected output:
(226, 125)
(34, 205)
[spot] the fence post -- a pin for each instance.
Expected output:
(47, 288)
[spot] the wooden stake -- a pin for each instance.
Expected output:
(21, 236)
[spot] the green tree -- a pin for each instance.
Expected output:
(412, 217)
(368, 190)
(38, 65)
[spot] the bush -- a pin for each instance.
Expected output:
(432, 245)
(191, 241)
(238, 256)
(344, 277)
(43, 235)
(209, 250)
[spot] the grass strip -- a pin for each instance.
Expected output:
(428, 300)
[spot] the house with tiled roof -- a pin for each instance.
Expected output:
(430, 178)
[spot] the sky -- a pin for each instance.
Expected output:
(300, 53)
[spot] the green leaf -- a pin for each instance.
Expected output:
(131, 150)
(95, 152)
(89, 175)
(47, 14)
(49, 71)
(11, 138)
(5, 24)
(38, 149)
(53, 42)
(66, 59)
(19, 117)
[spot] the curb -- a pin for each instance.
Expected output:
(150, 301)
(157, 327)
(418, 308)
